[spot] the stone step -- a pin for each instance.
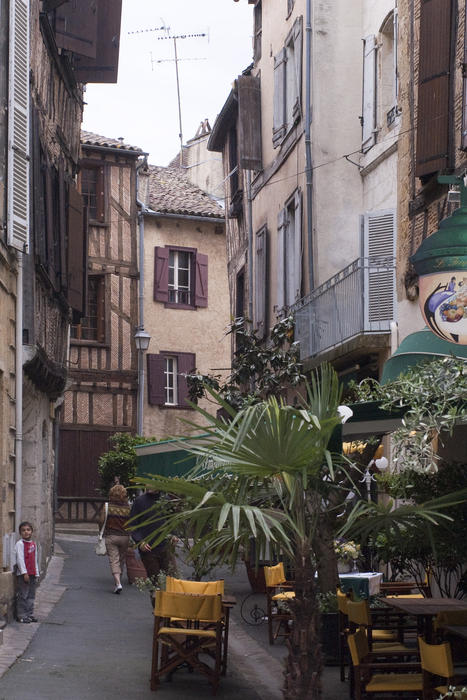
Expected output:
(76, 529)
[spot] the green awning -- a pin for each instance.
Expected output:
(417, 347)
(165, 458)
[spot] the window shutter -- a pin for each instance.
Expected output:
(77, 252)
(280, 254)
(279, 118)
(261, 282)
(298, 41)
(379, 282)
(62, 223)
(156, 390)
(201, 280)
(103, 68)
(297, 248)
(433, 87)
(76, 27)
(185, 365)
(18, 127)
(249, 118)
(369, 93)
(161, 274)
(38, 193)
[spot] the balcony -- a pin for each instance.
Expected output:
(357, 304)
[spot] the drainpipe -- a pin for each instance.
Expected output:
(140, 400)
(308, 159)
(19, 394)
(250, 246)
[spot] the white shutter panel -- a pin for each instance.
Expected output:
(280, 259)
(279, 118)
(369, 93)
(298, 41)
(379, 252)
(18, 127)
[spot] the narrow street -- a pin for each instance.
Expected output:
(93, 644)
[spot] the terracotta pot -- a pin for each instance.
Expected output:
(256, 577)
(134, 566)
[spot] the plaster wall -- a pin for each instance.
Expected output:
(204, 168)
(200, 331)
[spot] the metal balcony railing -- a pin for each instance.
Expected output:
(360, 299)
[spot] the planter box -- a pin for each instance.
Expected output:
(330, 638)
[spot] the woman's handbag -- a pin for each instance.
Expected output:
(101, 549)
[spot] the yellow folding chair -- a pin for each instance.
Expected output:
(277, 593)
(436, 660)
(373, 677)
(388, 635)
(342, 600)
(180, 585)
(175, 645)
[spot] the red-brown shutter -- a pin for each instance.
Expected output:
(186, 363)
(77, 253)
(104, 67)
(249, 121)
(201, 280)
(156, 390)
(76, 27)
(62, 224)
(433, 88)
(161, 274)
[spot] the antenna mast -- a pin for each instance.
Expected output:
(176, 60)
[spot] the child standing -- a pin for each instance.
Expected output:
(27, 571)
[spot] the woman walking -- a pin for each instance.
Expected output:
(115, 535)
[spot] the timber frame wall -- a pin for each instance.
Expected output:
(102, 397)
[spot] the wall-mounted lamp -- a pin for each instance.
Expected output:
(142, 340)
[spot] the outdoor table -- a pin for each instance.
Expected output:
(363, 584)
(424, 610)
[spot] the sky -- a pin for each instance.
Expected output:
(142, 107)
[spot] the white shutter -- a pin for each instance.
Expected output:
(369, 93)
(279, 118)
(18, 126)
(280, 259)
(298, 41)
(379, 285)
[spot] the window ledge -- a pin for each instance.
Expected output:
(94, 343)
(174, 305)
(177, 407)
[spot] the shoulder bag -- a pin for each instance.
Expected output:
(101, 549)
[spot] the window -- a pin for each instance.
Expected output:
(388, 70)
(290, 4)
(180, 277)
(92, 326)
(287, 84)
(289, 253)
(180, 264)
(167, 384)
(92, 189)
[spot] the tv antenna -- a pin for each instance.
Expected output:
(174, 37)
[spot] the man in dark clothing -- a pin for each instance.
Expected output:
(155, 558)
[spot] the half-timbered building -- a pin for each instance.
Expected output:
(100, 399)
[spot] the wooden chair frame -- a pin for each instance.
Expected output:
(277, 588)
(180, 636)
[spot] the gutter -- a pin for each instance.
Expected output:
(19, 394)
(189, 217)
(114, 149)
(308, 158)
(142, 211)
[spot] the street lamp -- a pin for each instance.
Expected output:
(381, 464)
(142, 340)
